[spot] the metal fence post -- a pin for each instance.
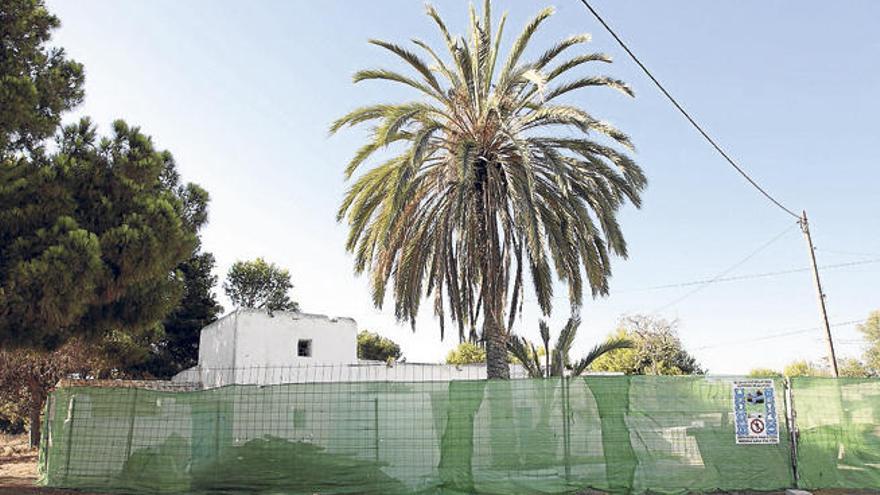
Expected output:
(791, 422)
(217, 431)
(70, 420)
(44, 440)
(566, 426)
(376, 425)
(132, 413)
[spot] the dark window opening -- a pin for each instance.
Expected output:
(304, 348)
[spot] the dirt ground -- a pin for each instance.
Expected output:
(18, 473)
(18, 469)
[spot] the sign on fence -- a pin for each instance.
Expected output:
(754, 409)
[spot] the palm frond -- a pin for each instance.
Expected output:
(412, 59)
(521, 42)
(487, 178)
(576, 62)
(587, 82)
(598, 351)
(545, 333)
(560, 47)
(389, 75)
(519, 347)
(359, 115)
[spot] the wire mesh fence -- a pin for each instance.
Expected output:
(363, 371)
(838, 432)
(372, 431)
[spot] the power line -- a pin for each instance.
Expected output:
(685, 113)
(847, 253)
(727, 270)
(737, 278)
(776, 335)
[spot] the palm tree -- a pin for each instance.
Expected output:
(495, 177)
(557, 359)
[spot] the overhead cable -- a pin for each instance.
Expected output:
(684, 112)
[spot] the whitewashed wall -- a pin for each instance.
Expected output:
(269, 341)
(216, 352)
(248, 344)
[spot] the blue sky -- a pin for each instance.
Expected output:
(242, 94)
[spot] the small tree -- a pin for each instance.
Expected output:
(656, 350)
(557, 359)
(26, 376)
(871, 330)
(258, 284)
(803, 367)
(466, 353)
(374, 347)
(764, 373)
(853, 368)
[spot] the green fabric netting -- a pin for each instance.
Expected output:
(619, 434)
(839, 425)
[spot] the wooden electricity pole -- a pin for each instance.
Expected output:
(805, 226)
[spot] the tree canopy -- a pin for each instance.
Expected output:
(848, 367)
(37, 83)
(870, 329)
(802, 367)
(178, 347)
(258, 284)
(98, 235)
(372, 346)
(656, 350)
(851, 367)
(466, 353)
(90, 237)
(764, 373)
(496, 180)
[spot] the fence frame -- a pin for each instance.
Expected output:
(69, 429)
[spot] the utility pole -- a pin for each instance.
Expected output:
(805, 227)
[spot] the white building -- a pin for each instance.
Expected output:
(255, 339)
(254, 347)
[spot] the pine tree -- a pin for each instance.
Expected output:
(374, 347)
(37, 83)
(258, 284)
(90, 238)
(178, 349)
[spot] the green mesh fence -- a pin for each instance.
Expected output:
(839, 425)
(618, 434)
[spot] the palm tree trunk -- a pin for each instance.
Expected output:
(496, 350)
(493, 272)
(494, 332)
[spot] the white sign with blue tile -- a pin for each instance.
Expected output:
(754, 410)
